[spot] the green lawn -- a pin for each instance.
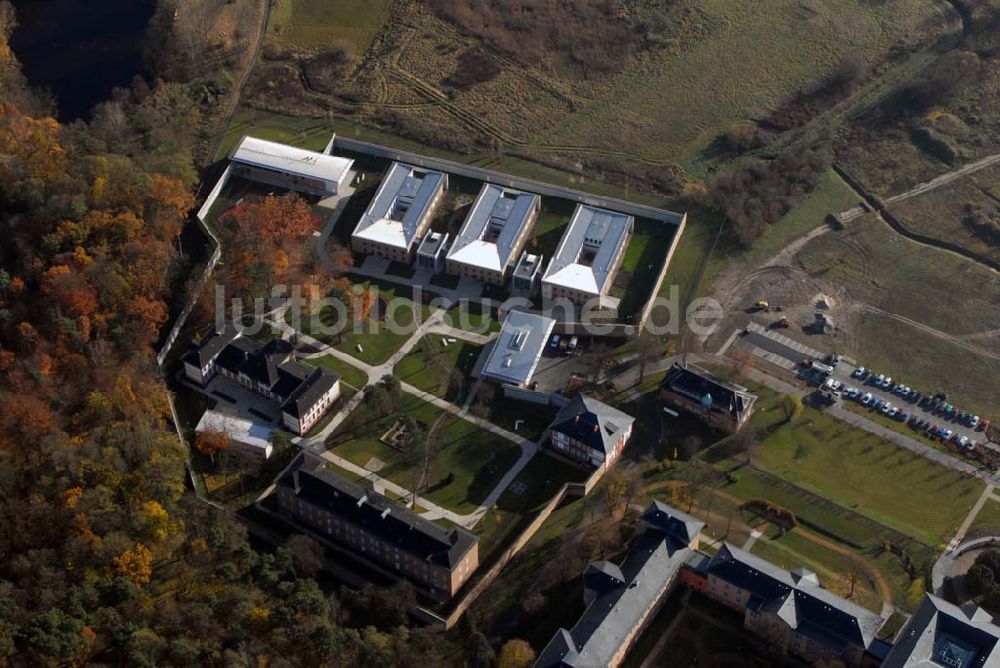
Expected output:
(471, 317)
(506, 412)
(376, 338)
(315, 24)
(988, 519)
(433, 367)
(641, 265)
(543, 476)
(474, 459)
(871, 476)
(349, 374)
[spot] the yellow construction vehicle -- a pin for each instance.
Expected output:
(761, 304)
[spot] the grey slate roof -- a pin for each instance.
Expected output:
(713, 393)
(310, 479)
(797, 599)
(620, 597)
(298, 386)
(491, 229)
(591, 422)
(517, 349)
(587, 250)
(943, 634)
(212, 343)
(309, 392)
(671, 521)
(402, 201)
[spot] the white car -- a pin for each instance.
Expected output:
(867, 399)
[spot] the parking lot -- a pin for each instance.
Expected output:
(787, 353)
(909, 407)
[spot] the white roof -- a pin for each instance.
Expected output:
(518, 348)
(400, 205)
(492, 228)
(290, 159)
(253, 434)
(588, 249)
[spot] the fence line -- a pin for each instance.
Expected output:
(574, 489)
(490, 176)
(213, 260)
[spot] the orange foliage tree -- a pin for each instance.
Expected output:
(211, 442)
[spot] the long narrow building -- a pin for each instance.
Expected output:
(376, 528)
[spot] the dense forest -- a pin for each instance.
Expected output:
(104, 555)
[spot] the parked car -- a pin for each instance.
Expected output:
(974, 422)
(963, 441)
(860, 372)
(555, 341)
(902, 416)
(867, 399)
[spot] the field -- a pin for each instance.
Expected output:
(988, 519)
(639, 108)
(863, 472)
(940, 214)
(471, 460)
(318, 24)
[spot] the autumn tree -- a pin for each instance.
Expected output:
(211, 443)
(515, 653)
(135, 564)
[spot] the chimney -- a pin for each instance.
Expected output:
(362, 500)
(385, 513)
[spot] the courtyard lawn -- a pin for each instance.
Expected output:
(467, 466)
(641, 264)
(867, 474)
(433, 367)
(472, 317)
(374, 336)
(539, 480)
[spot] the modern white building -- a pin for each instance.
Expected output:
(245, 436)
(588, 257)
(494, 233)
(516, 351)
(290, 167)
(400, 212)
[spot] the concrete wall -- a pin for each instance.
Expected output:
(569, 489)
(209, 266)
(490, 176)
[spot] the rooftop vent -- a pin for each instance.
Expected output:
(385, 513)
(362, 500)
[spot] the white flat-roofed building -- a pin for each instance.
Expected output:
(400, 212)
(516, 351)
(245, 436)
(290, 167)
(494, 233)
(588, 257)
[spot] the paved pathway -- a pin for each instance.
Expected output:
(375, 373)
(751, 539)
(970, 518)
